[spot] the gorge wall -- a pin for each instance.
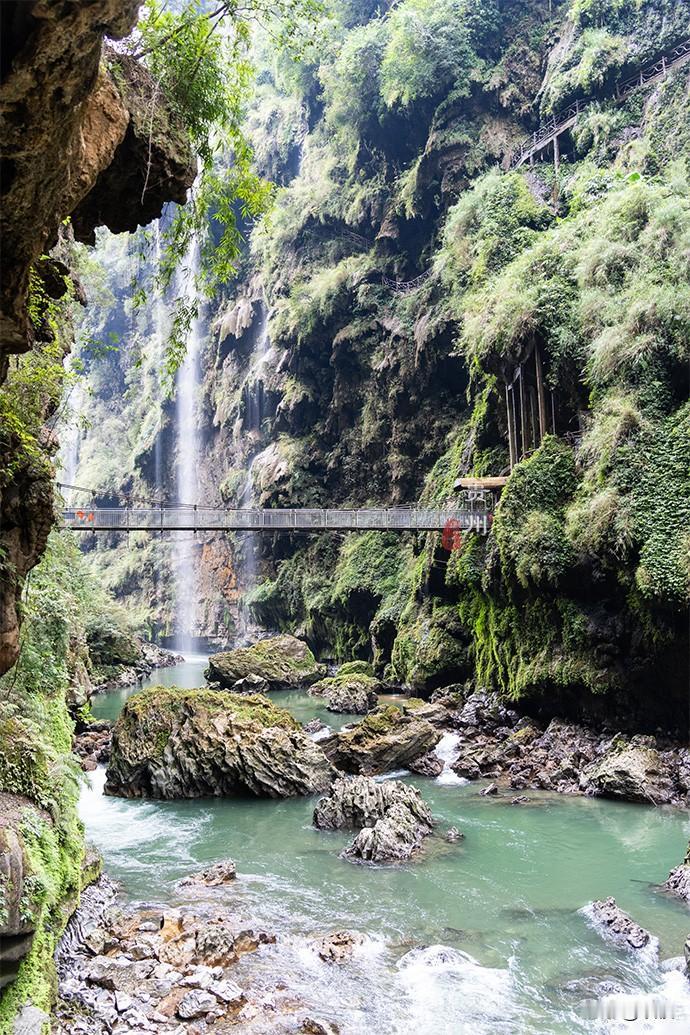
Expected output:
(80, 146)
(402, 280)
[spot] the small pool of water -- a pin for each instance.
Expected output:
(506, 902)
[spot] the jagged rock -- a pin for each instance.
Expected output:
(339, 947)
(220, 873)
(490, 790)
(196, 1004)
(393, 817)
(284, 662)
(251, 684)
(311, 1026)
(453, 835)
(485, 710)
(385, 740)
(314, 726)
(451, 697)
(427, 765)
(678, 880)
(355, 693)
(618, 924)
(174, 743)
(632, 770)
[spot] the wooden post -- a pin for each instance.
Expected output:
(523, 413)
(556, 166)
(541, 395)
(511, 436)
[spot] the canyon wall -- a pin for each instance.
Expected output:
(409, 278)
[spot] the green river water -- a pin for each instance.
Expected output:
(499, 940)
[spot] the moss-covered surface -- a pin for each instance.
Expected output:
(148, 718)
(283, 661)
(36, 763)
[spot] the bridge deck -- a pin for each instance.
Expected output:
(394, 519)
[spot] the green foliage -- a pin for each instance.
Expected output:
(433, 44)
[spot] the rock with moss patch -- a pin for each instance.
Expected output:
(356, 668)
(186, 743)
(630, 769)
(355, 693)
(283, 662)
(386, 739)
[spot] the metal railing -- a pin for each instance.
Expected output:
(558, 123)
(475, 516)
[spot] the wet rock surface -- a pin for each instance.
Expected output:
(632, 770)
(339, 947)
(92, 745)
(394, 819)
(386, 740)
(498, 744)
(283, 662)
(220, 873)
(121, 674)
(172, 743)
(130, 969)
(617, 925)
(678, 880)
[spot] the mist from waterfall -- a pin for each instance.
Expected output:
(188, 459)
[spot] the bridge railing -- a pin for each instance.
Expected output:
(475, 515)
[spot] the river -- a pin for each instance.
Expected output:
(506, 902)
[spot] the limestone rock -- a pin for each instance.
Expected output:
(385, 740)
(395, 838)
(435, 712)
(393, 817)
(174, 743)
(220, 873)
(678, 880)
(427, 765)
(196, 1004)
(630, 769)
(355, 693)
(618, 925)
(339, 947)
(284, 662)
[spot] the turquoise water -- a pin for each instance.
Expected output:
(506, 902)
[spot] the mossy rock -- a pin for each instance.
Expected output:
(283, 661)
(187, 743)
(356, 693)
(387, 739)
(356, 668)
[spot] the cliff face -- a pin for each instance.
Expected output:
(76, 143)
(408, 280)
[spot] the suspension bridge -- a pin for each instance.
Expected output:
(474, 516)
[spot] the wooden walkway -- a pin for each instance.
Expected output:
(551, 129)
(473, 517)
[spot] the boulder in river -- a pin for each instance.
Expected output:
(630, 769)
(678, 881)
(394, 819)
(427, 765)
(214, 876)
(185, 743)
(383, 741)
(339, 947)
(618, 925)
(282, 662)
(356, 693)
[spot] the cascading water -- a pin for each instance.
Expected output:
(256, 408)
(159, 350)
(70, 444)
(188, 457)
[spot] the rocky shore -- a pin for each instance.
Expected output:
(130, 969)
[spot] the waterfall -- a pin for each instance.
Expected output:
(188, 458)
(256, 408)
(70, 442)
(159, 332)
